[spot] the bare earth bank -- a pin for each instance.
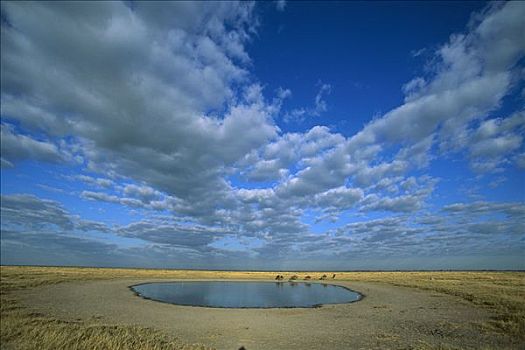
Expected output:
(388, 317)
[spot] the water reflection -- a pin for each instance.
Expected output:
(246, 294)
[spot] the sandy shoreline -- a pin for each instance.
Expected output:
(388, 317)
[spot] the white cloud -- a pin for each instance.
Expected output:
(160, 69)
(160, 100)
(280, 5)
(273, 160)
(339, 198)
(17, 147)
(145, 193)
(520, 161)
(320, 103)
(496, 146)
(100, 196)
(469, 82)
(513, 210)
(494, 139)
(404, 203)
(31, 213)
(318, 108)
(98, 181)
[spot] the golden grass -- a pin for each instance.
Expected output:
(503, 293)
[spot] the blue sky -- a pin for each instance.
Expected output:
(271, 135)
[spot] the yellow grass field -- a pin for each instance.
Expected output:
(503, 293)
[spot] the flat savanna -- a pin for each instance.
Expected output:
(92, 308)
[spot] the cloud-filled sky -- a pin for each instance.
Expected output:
(272, 135)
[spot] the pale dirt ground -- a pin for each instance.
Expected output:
(388, 317)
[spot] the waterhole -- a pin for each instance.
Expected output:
(246, 294)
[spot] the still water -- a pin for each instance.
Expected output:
(246, 294)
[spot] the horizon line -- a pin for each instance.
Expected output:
(258, 270)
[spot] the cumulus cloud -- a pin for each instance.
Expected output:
(473, 228)
(272, 162)
(159, 99)
(94, 181)
(166, 231)
(469, 82)
(340, 198)
(186, 62)
(145, 193)
(52, 248)
(143, 202)
(194, 151)
(31, 213)
(16, 147)
(512, 210)
(404, 203)
(494, 139)
(41, 231)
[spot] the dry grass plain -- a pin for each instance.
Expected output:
(501, 293)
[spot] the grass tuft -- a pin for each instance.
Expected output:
(502, 293)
